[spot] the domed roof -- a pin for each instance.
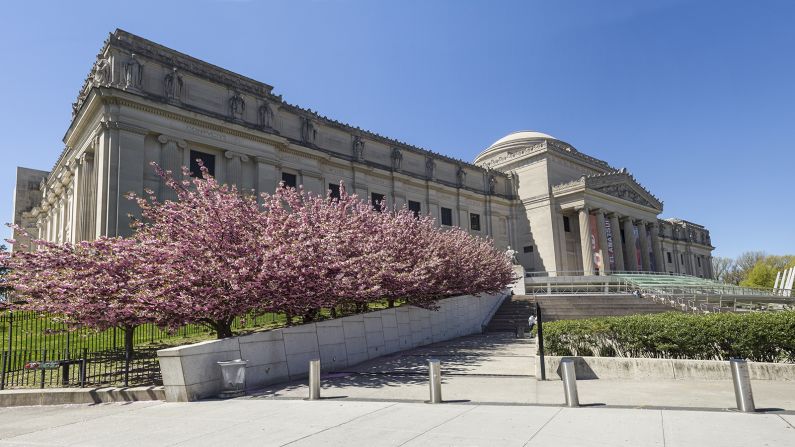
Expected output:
(522, 136)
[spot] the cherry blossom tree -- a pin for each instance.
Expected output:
(97, 284)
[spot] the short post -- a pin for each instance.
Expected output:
(569, 383)
(435, 375)
(314, 379)
(43, 371)
(540, 341)
(742, 385)
(519, 331)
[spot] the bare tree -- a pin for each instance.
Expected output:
(722, 267)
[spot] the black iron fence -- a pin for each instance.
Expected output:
(38, 351)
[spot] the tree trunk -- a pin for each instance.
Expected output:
(223, 329)
(334, 312)
(390, 303)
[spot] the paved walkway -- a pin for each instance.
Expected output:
(498, 368)
(350, 423)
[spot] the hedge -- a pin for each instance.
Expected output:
(758, 336)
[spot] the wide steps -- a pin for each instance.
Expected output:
(575, 307)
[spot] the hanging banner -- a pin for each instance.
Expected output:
(610, 253)
(595, 249)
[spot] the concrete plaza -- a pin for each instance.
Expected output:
(491, 398)
(343, 422)
(499, 369)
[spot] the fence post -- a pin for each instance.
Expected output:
(65, 372)
(3, 373)
(43, 371)
(540, 342)
(83, 368)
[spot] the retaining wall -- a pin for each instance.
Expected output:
(190, 372)
(666, 369)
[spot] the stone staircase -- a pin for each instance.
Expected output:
(516, 309)
(573, 307)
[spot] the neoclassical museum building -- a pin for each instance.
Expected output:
(559, 208)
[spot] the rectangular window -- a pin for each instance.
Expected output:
(334, 190)
(566, 224)
(208, 160)
(414, 207)
(474, 222)
(669, 257)
(447, 217)
(290, 180)
(377, 200)
(528, 249)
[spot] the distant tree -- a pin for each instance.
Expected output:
(722, 267)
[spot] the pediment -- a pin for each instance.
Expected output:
(623, 186)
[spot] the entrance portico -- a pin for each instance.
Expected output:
(617, 223)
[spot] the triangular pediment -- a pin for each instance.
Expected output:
(622, 185)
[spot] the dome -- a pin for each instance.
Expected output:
(523, 135)
(520, 137)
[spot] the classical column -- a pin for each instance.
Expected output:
(618, 246)
(644, 246)
(266, 175)
(655, 246)
(603, 251)
(234, 168)
(172, 161)
(630, 247)
(564, 254)
(585, 241)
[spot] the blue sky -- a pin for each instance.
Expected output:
(695, 98)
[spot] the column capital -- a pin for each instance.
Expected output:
(232, 154)
(164, 139)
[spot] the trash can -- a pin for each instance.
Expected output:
(233, 378)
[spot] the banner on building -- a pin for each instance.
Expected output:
(611, 257)
(595, 249)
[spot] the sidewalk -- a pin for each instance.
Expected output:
(498, 368)
(350, 423)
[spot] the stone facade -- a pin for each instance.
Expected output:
(144, 103)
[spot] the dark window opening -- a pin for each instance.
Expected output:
(669, 257)
(334, 190)
(623, 240)
(528, 249)
(699, 261)
(290, 180)
(414, 207)
(474, 222)
(208, 160)
(377, 201)
(447, 217)
(566, 224)
(682, 259)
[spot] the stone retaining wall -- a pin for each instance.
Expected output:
(190, 372)
(666, 369)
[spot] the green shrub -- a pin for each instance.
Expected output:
(759, 336)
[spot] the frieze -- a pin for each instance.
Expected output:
(626, 193)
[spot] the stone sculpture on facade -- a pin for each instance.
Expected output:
(511, 255)
(133, 73)
(397, 158)
(492, 183)
(308, 131)
(430, 165)
(237, 106)
(358, 148)
(460, 175)
(172, 85)
(102, 72)
(265, 116)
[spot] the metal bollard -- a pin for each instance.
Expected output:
(569, 383)
(742, 385)
(519, 332)
(435, 368)
(314, 379)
